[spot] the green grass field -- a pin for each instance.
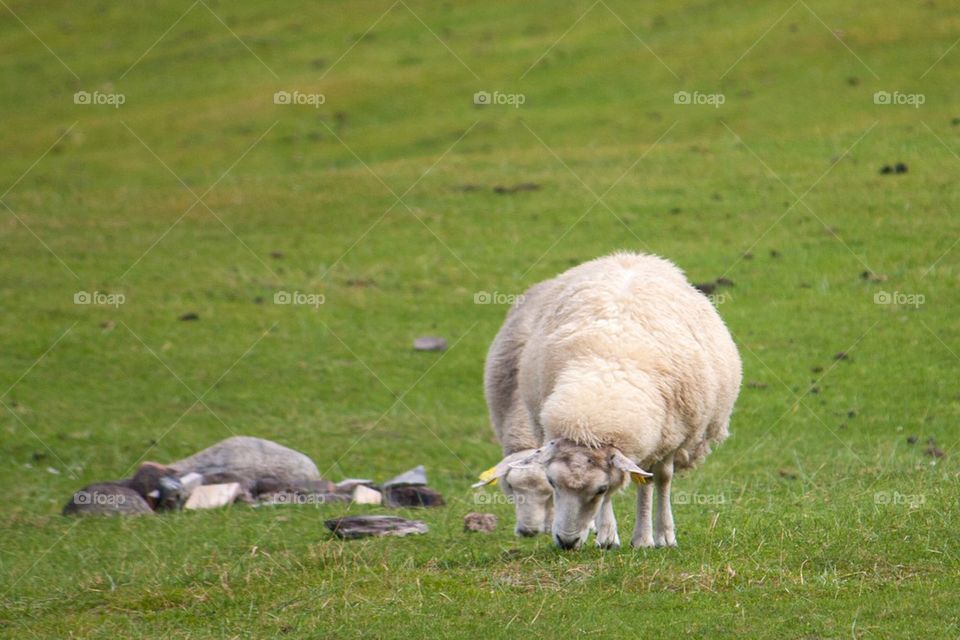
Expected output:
(198, 194)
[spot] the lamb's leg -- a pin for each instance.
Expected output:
(607, 537)
(643, 529)
(665, 535)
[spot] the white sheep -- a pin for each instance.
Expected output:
(626, 365)
(525, 487)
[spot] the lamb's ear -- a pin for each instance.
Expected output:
(627, 465)
(491, 475)
(535, 457)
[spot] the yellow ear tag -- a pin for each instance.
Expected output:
(637, 477)
(489, 476)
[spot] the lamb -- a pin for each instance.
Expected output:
(525, 487)
(626, 366)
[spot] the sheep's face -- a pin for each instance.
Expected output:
(532, 497)
(581, 478)
(526, 488)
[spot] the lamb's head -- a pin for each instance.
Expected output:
(525, 486)
(581, 477)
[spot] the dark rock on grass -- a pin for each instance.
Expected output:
(705, 288)
(934, 452)
(708, 288)
(900, 168)
(414, 477)
(430, 343)
(851, 413)
(247, 460)
(276, 255)
(842, 355)
(271, 484)
(775, 254)
(523, 186)
(353, 527)
(107, 499)
(886, 169)
(187, 317)
(912, 440)
(412, 496)
(480, 522)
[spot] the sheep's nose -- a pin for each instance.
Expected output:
(526, 533)
(566, 544)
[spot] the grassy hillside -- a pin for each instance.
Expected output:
(199, 194)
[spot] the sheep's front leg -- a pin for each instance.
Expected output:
(607, 537)
(665, 535)
(643, 529)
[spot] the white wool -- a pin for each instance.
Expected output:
(619, 351)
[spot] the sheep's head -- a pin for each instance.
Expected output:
(580, 478)
(527, 489)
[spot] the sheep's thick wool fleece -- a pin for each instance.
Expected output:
(625, 352)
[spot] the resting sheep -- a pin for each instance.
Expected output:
(625, 366)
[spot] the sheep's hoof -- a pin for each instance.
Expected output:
(641, 543)
(608, 545)
(666, 541)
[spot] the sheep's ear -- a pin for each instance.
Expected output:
(535, 457)
(494, 473)
(627, 465)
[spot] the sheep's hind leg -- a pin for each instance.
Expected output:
(607, 536)
(665, 534)
(643, 529)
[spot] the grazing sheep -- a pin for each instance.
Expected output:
(625, 366)
(525, 487)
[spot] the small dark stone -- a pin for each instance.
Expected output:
(912, 440)
(412, 496)
(523, 186)
(886, 169)
(276, 255)
(851, 414)
(900, 168)
(352, 527)
(187, 317)
(105, 499)
(706, 287)
(774, 253)
(480, 522)
(841, 355)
